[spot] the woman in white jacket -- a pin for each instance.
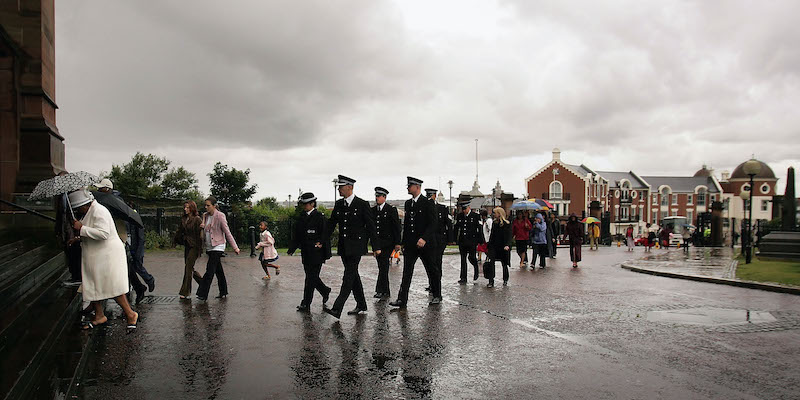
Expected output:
(104, 265)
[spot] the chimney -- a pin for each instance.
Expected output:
(725, 175)
(556, 154)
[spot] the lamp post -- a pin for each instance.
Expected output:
(450, 199)
(745, 195)
(751, 168)
(335, 182)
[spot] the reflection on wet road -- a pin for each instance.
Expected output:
(595, 332)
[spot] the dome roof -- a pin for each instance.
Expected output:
(766, 172)
(705, 172)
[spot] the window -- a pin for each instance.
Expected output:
(674, 199)
(713, 198)
(726, 204)
(665, 197)
(764, 205)
(626, 190)
(664, 214)
(674, 212)
(655, 199)
(555, 190)
(701, 197)
(625, 213)
(765, 188)
(689, 199)
(690, 216)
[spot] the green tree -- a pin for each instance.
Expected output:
(179, 183)
(141, 176)
(230, 185)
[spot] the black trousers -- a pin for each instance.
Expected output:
(384, 261)
(504, 256)
(213, 267)
(351, 282)
(73, 254)
(541, 251)
(438, 256)
(553, 247)
(313, 282)
(468, 253)
(410, 256)
(137, 285)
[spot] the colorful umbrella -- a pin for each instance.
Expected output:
(544, 203)
(526, 205)
(590, 220)
(62, 184)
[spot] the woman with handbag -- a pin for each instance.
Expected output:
(499, 246)
(190, 235)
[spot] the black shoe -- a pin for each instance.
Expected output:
(151, 285)
(428, 289)
(222, 296)
(505, 283)
(435, 300)
(200, 298)
(326, 296)
(398, 303)
(356, 311)
(139, 295)
(462, 282)
(491, 284)
(335, 313)
(475, 278)
(378, 295)
(386, 295)
(304, 308)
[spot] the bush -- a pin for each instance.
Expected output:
(152, 240)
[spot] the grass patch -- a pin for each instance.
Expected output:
(784, 272)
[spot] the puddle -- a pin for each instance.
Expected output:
(708, 316)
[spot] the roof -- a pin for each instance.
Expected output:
(581, 169)
(765, 173)
(682, 184)
(703, 171)
(614, 178)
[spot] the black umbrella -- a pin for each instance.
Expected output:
(118, 208)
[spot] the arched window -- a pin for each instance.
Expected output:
(555, 190)
(701, 196)
(626, 190)
(665, 196)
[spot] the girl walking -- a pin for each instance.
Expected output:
(268, 255)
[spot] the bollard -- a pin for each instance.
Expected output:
(252, 231)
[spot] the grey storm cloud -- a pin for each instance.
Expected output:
(298, 91)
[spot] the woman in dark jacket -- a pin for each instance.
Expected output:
(499, 246)
(190, 235)
(575, 235)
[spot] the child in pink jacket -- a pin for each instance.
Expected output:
(269, 255)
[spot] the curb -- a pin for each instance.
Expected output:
(770, 287)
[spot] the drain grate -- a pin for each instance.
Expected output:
(160, 300)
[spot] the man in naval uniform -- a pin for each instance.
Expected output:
(468, 235)
(388, 231)
(443, 231)
(310, 238)
(419, 241)
(356, 227)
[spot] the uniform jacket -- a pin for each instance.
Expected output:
(310, 230)
(420, 221)
(356, 227)
(445, 227)
(387, 226)
(468, 229)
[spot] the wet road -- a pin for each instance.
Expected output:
(595, 332)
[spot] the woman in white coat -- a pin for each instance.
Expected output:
(104, 264)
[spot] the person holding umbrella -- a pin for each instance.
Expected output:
(521, 228)
(539, 238)
(103, 259)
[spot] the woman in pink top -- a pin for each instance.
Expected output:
(215, 229)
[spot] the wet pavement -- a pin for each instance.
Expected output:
(598, 331)
(715, 262)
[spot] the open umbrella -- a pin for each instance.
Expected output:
(690, 226)
(118, 208)
(544, 203)
(63, 184)
(590, 220)
(525, 205)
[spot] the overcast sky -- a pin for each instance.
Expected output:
(299, 91)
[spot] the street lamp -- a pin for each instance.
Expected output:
(335, 183)
(751, 168)
(450, 200)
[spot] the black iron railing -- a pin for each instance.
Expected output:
(28, 210)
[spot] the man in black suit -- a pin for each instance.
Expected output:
(356, 227)
(419, 241)
(443, 231)
(388, 231)
(468, 235)
(309, 237)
